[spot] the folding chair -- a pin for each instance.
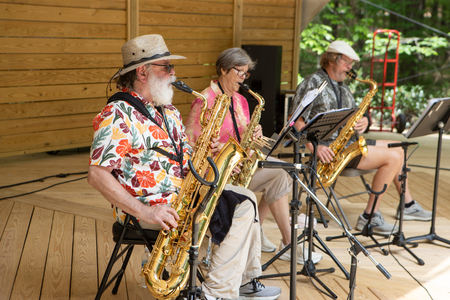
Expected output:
(349, 173)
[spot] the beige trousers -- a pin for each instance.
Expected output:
(238, 258)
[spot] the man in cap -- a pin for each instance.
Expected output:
(138, 164)
(335, 63)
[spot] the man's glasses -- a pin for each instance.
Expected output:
(241, 73)
(348, 62)
(168, 67)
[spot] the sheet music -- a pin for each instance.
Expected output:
(309, 97)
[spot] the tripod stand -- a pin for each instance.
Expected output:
(320, 127)
(440, 109)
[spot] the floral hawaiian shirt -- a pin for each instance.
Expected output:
(123, 140)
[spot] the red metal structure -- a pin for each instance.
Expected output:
(400, 122)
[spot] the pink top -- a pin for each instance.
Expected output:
(242, 113)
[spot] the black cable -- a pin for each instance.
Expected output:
(42, 189)
(61, 175)
(406, 18)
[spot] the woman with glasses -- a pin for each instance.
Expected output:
(233, 66)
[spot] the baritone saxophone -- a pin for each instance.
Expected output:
(170, 251)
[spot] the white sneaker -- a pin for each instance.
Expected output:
(316, 257)
(266, 245)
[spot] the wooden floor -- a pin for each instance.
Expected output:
(55, 244)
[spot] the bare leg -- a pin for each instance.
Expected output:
(397, 183)
(388, 163)
(280, 212)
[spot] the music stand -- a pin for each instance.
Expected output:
(434, 119)
(322, 126)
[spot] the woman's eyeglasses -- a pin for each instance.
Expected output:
(241, 73)
(168, 67)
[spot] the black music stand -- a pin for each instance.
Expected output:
(434, 119)
(321, 127)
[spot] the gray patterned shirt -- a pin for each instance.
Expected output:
(325, 101)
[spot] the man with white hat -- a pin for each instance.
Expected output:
(139, 159)
(335, 63)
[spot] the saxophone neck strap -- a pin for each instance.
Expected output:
(338, 97)
(140, 107)
(233, 117)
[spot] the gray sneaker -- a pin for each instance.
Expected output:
(257, 291)
(415, 213)
(266, 245)
(379, 225)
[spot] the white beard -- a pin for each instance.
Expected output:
(161, 90)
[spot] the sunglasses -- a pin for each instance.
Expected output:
(241, 73)
(168, 67)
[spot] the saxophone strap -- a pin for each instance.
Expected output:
(233, 117)
(338, 98)
(140, 107)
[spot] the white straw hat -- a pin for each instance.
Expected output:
(342, 47)
(143, 50)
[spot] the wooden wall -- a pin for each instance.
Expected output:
(58, 55)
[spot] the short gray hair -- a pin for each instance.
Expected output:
(233, 57)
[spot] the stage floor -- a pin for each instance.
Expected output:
(55, 244)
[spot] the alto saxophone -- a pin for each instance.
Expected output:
(170, 251)
(328, 172)
(250, 165)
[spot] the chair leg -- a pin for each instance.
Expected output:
(122, 270)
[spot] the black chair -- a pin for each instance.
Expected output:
(129, 234)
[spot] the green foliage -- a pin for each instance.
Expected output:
(424, 55)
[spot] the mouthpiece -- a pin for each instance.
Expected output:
(244, 86)
(351, 74)
(182, 86)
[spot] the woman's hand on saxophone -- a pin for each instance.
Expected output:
(257, 133)
(361, 125)
(215, 146)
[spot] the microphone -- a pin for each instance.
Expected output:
(279, 165)
(395, 145)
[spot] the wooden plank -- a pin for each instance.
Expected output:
(83, 144)
(5, 209)
(56, 284)
(269, 34)
(44, 141)
(51, 92)
(271, 2)
(287, 45)
(56, 77)
(60, 30)
(132, 19)
(34, 257)
(22, 126)
(11, 246)
(189, 20)
(84, 265)
(59, 45)
(105, 247)
(51, 108)
(185, 32)
(23, 12)
(296, 43)
(267, 22)
(59, 61)
(198, 45)
(268, 11)
(133, 275)
(237, 22)
(110, 4)
(191, 7)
